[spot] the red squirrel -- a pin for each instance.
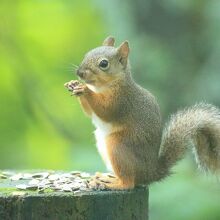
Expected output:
(129, 132)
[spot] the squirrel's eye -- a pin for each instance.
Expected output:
(104, 64)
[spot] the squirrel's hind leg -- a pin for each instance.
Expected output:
(122, 161)
(119, 185)
(112, 183)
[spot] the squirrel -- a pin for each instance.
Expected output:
(129, 132)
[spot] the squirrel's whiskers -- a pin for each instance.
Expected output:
(74, 66)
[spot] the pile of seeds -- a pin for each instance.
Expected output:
(65, 182)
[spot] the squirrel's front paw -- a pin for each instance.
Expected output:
(77, 88)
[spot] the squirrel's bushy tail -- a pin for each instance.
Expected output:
(197, 126)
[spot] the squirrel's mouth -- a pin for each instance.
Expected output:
(87, 81)
(83, 75)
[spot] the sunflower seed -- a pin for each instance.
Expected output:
(27, 176)
(2, 176)
(16, 177)
(42, 175)
(34, 182)
(32, 187)
(111, 176)
(75, 172)
(54, 177)
(18, 193)
(45, 182)
(21, 186)
(85, 175)
(66, 175)
(8, 173)
(41, 191)
(66, 188)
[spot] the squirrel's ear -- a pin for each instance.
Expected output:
(123, 51)
(109, 41)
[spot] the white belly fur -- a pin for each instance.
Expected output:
(103, 129)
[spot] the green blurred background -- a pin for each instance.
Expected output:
(175, 53)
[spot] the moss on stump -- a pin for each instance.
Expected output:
(91, 205)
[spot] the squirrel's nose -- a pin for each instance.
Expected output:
(80, 73)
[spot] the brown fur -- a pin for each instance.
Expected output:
(85, 105)
(139, 151)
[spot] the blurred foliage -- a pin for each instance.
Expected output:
(174, 53)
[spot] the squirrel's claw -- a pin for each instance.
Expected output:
(105, 182)
(75, 87)
(97, 184)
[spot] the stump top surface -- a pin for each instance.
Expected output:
(57, 204)
(13, 185)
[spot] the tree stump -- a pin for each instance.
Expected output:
(78, 205)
